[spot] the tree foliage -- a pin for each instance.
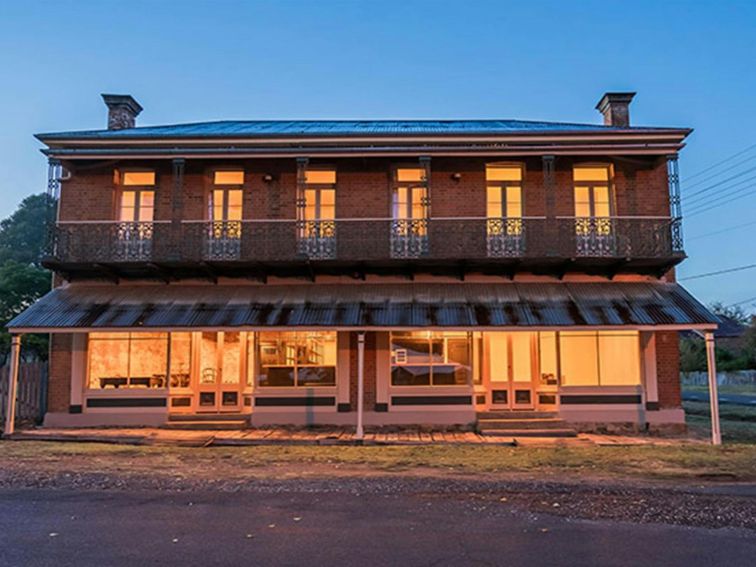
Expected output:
(22, 278)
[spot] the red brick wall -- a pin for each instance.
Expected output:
(668, 369)
(59, 385)
(364, 188)
(369, 373)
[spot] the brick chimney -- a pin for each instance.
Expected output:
(122, 111)
(616, 109)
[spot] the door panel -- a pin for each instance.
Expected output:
(219, 372)
(511, 366)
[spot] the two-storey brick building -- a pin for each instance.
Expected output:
(388, 272)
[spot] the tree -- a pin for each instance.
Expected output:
(734, 312)
(22, 278)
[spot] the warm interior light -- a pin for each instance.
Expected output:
(590, 173)
(410, 174)
(320, 176)
(503, 173)
(228, 178)
(139, 178)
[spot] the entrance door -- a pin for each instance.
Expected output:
(510, 370)
(219, 373)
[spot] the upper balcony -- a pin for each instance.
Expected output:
(452, 246)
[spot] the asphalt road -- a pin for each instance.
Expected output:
(741, 399)
(63, 527)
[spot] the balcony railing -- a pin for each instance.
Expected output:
(364, 241)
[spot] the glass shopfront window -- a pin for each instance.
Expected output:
(603, 358)
(431, 359)
(128, 360)
(296, 359)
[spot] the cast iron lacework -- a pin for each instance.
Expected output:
(317, 239)
(133, 241)
(409, 238)
(506, 237)
(223, 240)
(594, 236)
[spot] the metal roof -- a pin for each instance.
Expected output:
(330, 128)
(468, 305)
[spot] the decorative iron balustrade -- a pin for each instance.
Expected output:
(367, 240)
(133, 241)
(223, 240)
(409, 238)
(505, 237)
(317, 239)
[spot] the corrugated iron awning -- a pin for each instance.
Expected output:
(412, 305)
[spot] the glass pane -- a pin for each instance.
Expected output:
(146, 206)
(410, 174)
(251, 358)
(139, 178)
(619, 358)
(217, 205)
(316, 376)
(322, 176)
(228, 178)
(231, 357)
(600, 173)
(498, 353)
(311, 212)
(181, 360)
(579, 358)
(514, 202)
(548, 353)
(327, 197)
(108, 360)
(493, 202)
(148, 360)
(410, 376)
(208, 367)
(522, 367)
(410, 349)
(601, 201)
(128, 204)
(459, 367)
(503, 173)
(234, 204)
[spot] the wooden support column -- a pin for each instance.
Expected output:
(10, 409)
(360, 433)
(711, 363)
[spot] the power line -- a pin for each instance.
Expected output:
(717, 174)
(719, 272)
(698, 199)
(703, 209)
(732, 157)
(749, 300)
(726, 229)
(718, 184)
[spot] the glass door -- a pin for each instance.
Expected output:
(510, 370)
(219, 372)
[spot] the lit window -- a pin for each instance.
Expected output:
(228, 178)
(320, 176)
(128, 360)
(503, 173)
(431, 359)
(592, 191)
(138, 178)
(137, 206)
(603, 358)
(406, 174)
(504, 199)
(296, 359)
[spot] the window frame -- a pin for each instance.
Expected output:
(468, 336)
(225, 188)
(318, 188)
(88, 389)
(258, 365)
(410, 186)
(591, 186)
(138, 190)
(503, 187)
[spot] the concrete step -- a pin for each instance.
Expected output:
(177, 417)
(201, 425)
(534, 423)
(516, 414)
(528, 432)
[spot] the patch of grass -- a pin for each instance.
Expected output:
(727, 412)
(745, 389)
(682, 461)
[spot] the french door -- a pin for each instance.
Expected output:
(219, 372)
(510, 371)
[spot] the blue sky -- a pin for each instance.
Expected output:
(690, 62)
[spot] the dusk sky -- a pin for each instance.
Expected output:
(690, 62)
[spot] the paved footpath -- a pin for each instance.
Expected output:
(117, 528)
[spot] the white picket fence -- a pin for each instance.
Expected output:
(734, 378)
(30, 394)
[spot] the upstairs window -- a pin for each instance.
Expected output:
(320, 195)
(592, 191)
(227, 196)
(503, 191)
(410, 194)
(137, 197)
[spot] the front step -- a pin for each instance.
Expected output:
(206, 424)
(206, 417)
(522, 424)
(516, 414)
(528, 432)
